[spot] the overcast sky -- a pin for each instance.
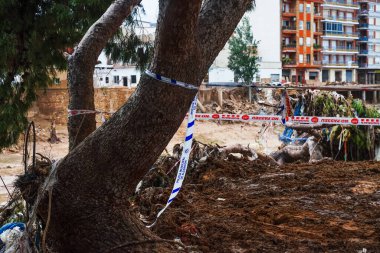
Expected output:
(151, 9)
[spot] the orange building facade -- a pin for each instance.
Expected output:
(301, 40)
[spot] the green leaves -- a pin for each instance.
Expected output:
(243, 59)
(33, 36)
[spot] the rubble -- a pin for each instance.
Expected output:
(227, 204)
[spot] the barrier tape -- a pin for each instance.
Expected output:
(170, 80)
(313, 120)
(184, 158)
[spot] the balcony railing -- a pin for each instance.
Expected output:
(340, 63)
(317, 62)
(363, 12)
(363, 65)
(363, 52)
(289, 46)
(289, 11)
(289, 27)
(363, 25)
(341, 34)
(342, 2)
(365, 38)
(289, 62)
(345, 49)
(342, 19)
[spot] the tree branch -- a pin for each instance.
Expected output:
(82, 64)
(104, 28)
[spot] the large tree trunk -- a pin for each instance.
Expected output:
(90, 207)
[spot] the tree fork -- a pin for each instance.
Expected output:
(90, 204)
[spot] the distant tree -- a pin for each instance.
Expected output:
(243, 59)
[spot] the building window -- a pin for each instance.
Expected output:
(308, 8)
(301, 7)
(56, 80)
(133, 79)
(301, 41)
(301, 58)
(308, 58)
(116, 79)
(313, 75)
(333, 28)
(308, 42)
(275, 77)
(308, 26)
(107, 80)
(300, 24)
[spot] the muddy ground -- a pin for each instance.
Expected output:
(223, 133)
(242, 206)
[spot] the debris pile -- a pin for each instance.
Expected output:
(349, 143)
(235, 101)
(229, 203)
(155, 185)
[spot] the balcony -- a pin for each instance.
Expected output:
(343, 64)
(318, 15)
(363, 26)
(363, 39)
(289, 48)
(340, 50)
(341, 35)
(343, 4)
(317, 63)
(317, 47)
(363, 52)
(289, 12)
(289, 29)
(340, 19)
(363, 13)
(288, 62)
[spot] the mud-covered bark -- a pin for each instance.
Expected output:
(82, 64)
(95, 181)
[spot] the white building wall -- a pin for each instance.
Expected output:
(267, 30)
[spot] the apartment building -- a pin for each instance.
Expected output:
(301, 40)
(339, 41)
(369, 41)
(265, 30)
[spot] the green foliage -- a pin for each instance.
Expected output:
(128, 47)
(243, 59)
(327, 104)
(34, 35)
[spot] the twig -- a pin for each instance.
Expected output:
(47, 223)
(146, 242)
(6, 187)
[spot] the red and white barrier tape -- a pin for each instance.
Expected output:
(269, 118)
(295, 119)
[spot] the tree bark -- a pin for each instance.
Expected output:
(82, 65)
(90, 207)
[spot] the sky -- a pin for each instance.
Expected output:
(151, 9)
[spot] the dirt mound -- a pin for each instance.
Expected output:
(237, 205)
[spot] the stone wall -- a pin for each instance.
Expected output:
(53, 102)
